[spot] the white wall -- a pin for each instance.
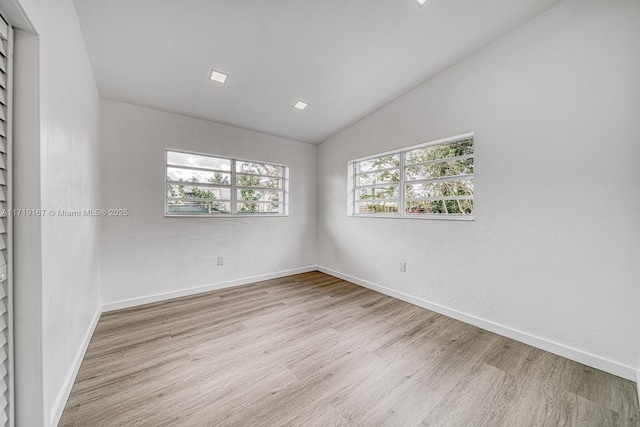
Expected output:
(63, 159)
(27, 237)
(553, 251)
(560, 95)
(147, 254)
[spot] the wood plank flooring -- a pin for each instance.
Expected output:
(313, 350)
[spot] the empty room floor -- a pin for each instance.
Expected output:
(314, 350)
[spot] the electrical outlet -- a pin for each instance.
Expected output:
(220, 260)
(403, 266)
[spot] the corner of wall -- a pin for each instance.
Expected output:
(638, 383)
(63, 396)
(506, 331)
(149, 299)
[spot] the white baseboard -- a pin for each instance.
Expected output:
(580, 356)
(638, 383)
(585, 358)
(133, 302)
(63, 396)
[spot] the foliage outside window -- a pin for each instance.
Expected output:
(198, 184)
(428, 180)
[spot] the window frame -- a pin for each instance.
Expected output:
(352, 188)
(233, 187)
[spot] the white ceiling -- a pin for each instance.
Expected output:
(346, 58)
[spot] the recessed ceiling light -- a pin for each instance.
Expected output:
(421, 2)
(217, 76)
(300, 105)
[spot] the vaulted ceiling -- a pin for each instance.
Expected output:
(346, 58)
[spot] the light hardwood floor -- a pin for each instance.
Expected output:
(313, 350)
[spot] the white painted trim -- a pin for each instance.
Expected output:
(63, 396)
(580, 356)
(638, 383)
(17, 17)
(133, 302)
(439, 217)
(592, 360)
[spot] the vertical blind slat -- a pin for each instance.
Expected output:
(6, 332)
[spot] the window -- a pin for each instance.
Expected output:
(432, 180)
(203, 185)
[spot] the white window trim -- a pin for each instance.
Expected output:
(233, 188)
(351, 193)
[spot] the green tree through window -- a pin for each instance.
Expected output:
(200, 184)
(434, 179)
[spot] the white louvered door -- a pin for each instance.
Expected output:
(6, 295)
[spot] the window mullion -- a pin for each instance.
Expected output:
(234, 191)
(379, 184)
(442, 160)
(195, 168)
(374, 171)
(355, 183)
(285, 177)
(401, 207)
(198, 184)
(466, 177)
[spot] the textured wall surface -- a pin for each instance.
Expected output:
(63, 155)
(146, 253)
(553, 250)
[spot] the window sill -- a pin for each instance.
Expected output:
(422, 217)
(247, 215)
